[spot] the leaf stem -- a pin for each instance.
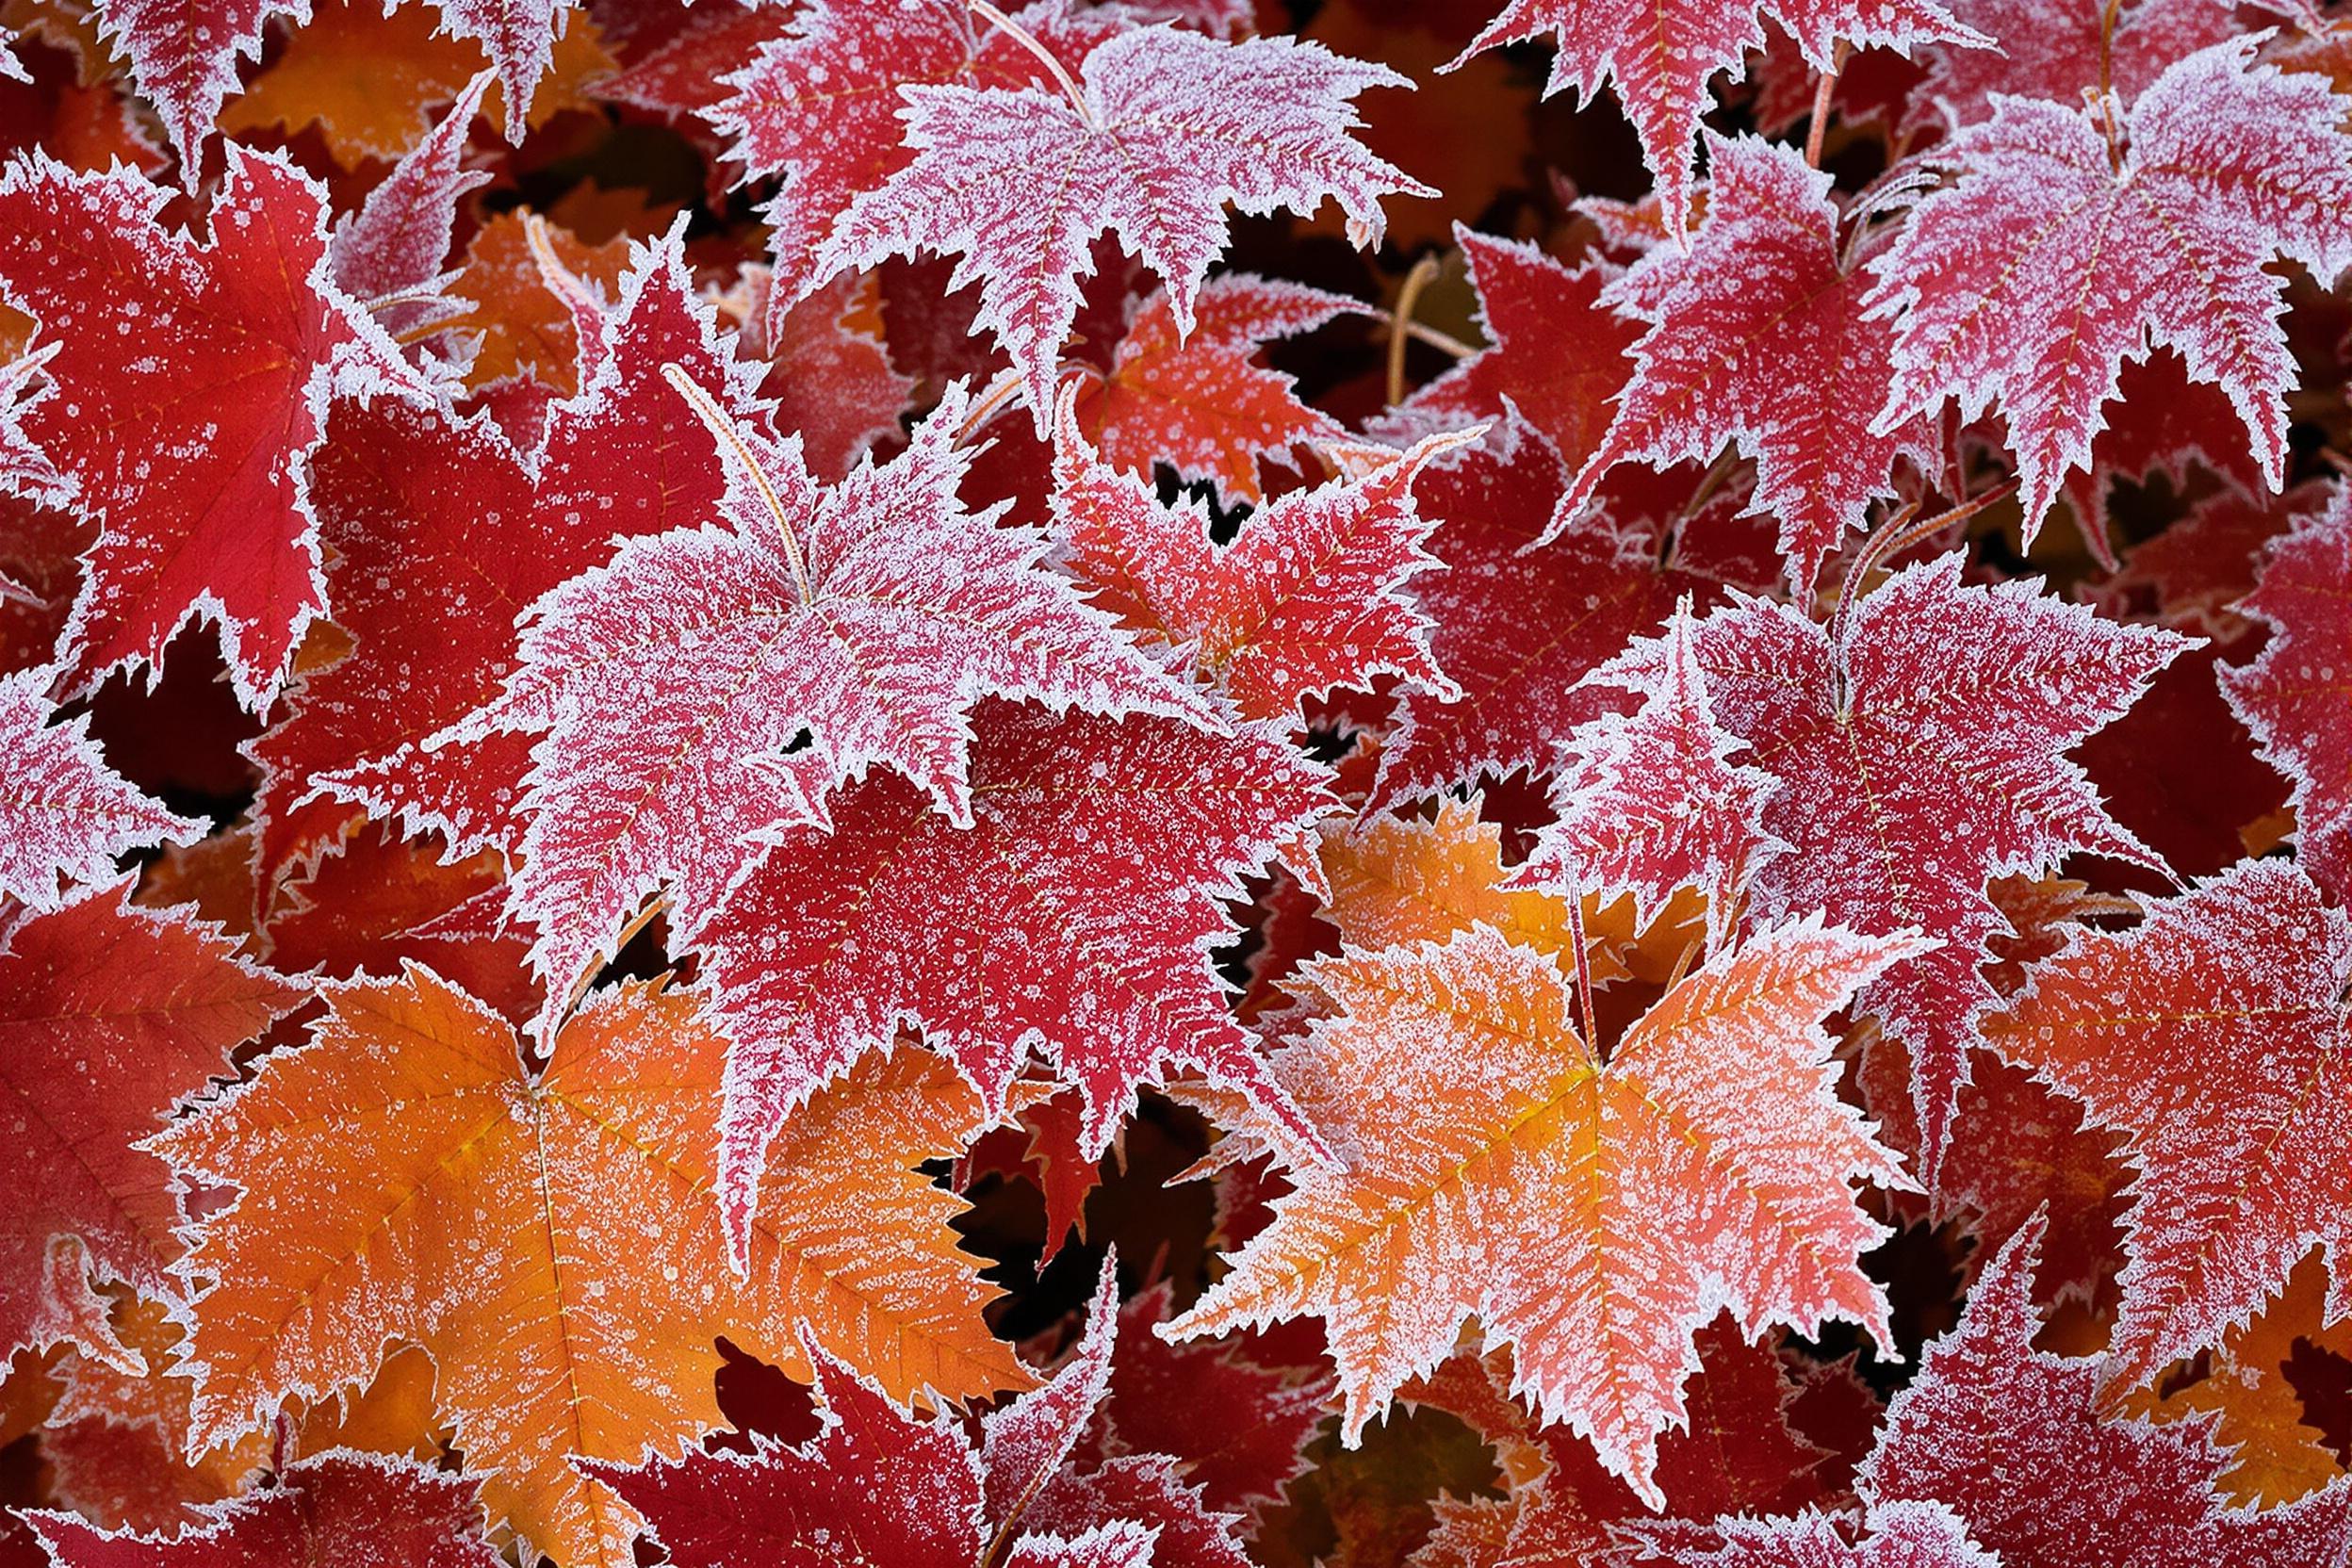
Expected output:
(1823, 91)
(1400, 323)
(1028, 40)
(1584, 970)
(715, 419)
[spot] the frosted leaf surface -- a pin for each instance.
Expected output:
(2048, 261)
(64, 813)
(1757, 338)
(553, 1241)
(1919, 757)
(191, 383)
(1309, 594)
(712, 687)
(1074, 915)
(1018, 185)
(1593, 1216)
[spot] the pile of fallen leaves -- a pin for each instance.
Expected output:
(1175, 784)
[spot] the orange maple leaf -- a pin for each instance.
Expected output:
(1592, 1214)
(552, 1238)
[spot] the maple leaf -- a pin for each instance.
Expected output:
(2071, 241)
(442, 535)
(2059, 50)
(1758, 337)
(2291, 696)
(1201, 402)
(394, 242)
(1652, 802)
(1989, 1407)
(64, 813)
(1921, 752)
(876, 1486)
(867, 617)
(355, 1511)
(1159, 130)
(191, 382)
(1073, 915)
(1554, 354)
(552, 1240)
(184, 56)
(1517, 627)
(828, 367)
(108, 1015)
(1592, 1215)
(821, 105)
(1899, 1535)
(1662, 57)
(1309, 596)
(2237, 1171)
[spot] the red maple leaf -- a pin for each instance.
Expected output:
(1517, 627)
(1555, 353)
(1201, 402)
(1309, 596)
(2058, 50)
(812, 633)
(190, 385)
(2239, 1167)
(1921, 752)
(1073, 916)
(2073, 239)
(1899, 1535)
(443, 534)
(1160, 130)
(879, 1486)
(393, 246)
(109, 1014)
(1652, 803)
(1988, 1408)
(183, 57)
(352, 1509)
(2291, 694)
(1758, 337)
(64, 813)
(1662, 57)
(821, 106)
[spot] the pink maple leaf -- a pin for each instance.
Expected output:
(2074, 239)
(1758, 337)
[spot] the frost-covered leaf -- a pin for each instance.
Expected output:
(879, 1486)
(1164, 129)
(108, 1016)
(1987, 1407)
(2211, 1037)
(442, 535)
(2074, 239)
(191, 385)
(353, 1511)
(1900, 1535)
(1592, 1214)
(2293, 695)
(1652, 802)
(64, 813)
(1309, 596)
(2059, 50)
(806, 635)
(1073, 916)
(395, 243)
(1757, 338)
(1662, 57)
(1919, 754)
(1203, 402)
(553, 1239)
(184, 54)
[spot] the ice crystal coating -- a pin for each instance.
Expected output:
(64, 813)
(2074, 239)
(1167, 128)
(1591, 1213)
(221, 356)
(552, 1238)
(1921, 751)
(1073, 915)
(1758, 337)
(810, 634)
